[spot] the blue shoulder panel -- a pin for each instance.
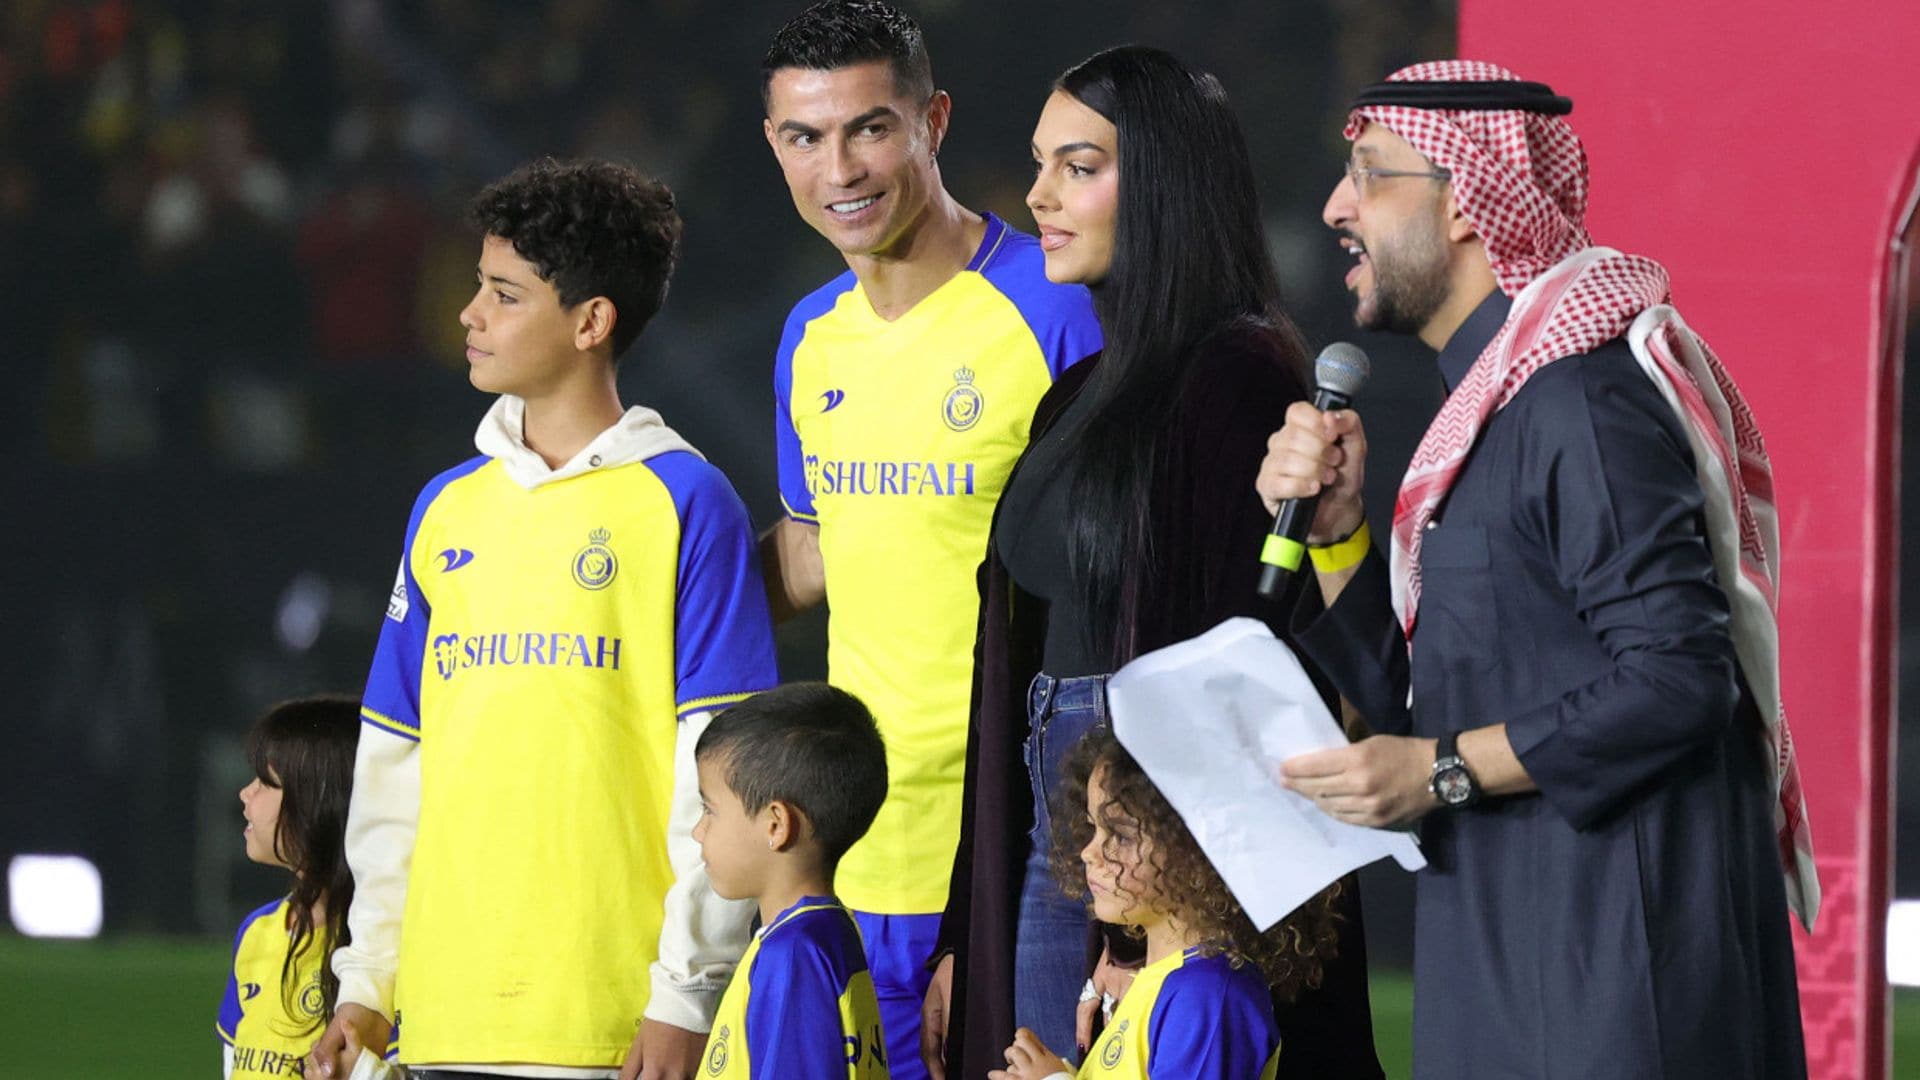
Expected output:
(1211, 1021)
(794, 1027)
(722, 631)
(1061, 317)
(790, 459)
(228, 1022)
(392, 698)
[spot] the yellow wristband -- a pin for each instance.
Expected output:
(1344, 555)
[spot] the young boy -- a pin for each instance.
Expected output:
(572, 606)
(789, 780)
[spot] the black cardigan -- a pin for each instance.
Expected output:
(1208, 528)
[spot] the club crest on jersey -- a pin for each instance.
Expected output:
(594, 566)
(961, 410)
(312, 1001)
(1115, 1044)
(717, 1057)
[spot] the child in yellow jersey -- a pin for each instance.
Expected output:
(570, 609)
(789, 779)
(1201, 1008)
(281, 993)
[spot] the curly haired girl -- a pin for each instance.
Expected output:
(1201, 1008)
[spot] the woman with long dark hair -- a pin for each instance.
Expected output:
(281, 993)
(1127, 525)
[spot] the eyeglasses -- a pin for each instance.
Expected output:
(1364, 175)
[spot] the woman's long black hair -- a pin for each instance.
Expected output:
(305, 748)
(1190, 260)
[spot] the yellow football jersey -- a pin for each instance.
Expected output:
(541, 645)
(270, 1034)
(801, 1004)
(896, 438)
(1189, 1017)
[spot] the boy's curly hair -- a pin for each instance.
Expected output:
(1290, 956)
(590, 228)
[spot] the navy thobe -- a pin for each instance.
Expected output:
(1630, 919)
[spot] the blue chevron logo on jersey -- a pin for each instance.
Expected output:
(249, 991)
(833, 399)
(453, 559)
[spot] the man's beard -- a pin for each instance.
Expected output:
(1409, 283)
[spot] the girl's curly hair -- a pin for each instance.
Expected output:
(1290, 956)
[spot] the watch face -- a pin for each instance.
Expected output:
(1453, 785)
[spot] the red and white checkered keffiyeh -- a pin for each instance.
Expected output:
(1521, 179)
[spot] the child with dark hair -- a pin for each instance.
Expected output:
(281, 993)
(572, 606)
(789, 779)
(1202, 1008)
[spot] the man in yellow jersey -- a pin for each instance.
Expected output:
(572, 606)
(904, 389)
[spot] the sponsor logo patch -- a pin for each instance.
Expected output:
(454, 653)
(397, 599)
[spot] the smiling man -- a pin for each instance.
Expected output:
(572, 605)
(1572, 656)
(904, 391)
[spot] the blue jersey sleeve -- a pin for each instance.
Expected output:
(723, 633)
(392, 698)
(790, 457)
(1208, 1024)
(228, 1021)
(228, 1024)
(794, 1029)
(1061, 317)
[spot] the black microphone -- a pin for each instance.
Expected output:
(1338, 374)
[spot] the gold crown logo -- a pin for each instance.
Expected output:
(599, 536)
(963, 376)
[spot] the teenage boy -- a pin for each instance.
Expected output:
(572, 607)
(789, 779)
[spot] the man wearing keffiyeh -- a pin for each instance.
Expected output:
(1571, 656)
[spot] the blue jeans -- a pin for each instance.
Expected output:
(1050, 947)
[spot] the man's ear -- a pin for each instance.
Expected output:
(939, 115)
(1459, 229)
(593, 322)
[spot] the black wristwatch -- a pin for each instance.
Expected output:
(1451, 781)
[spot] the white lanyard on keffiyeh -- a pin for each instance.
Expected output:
(1520, 178)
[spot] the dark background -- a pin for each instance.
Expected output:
(231, 257)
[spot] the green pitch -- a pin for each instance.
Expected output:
(144, 1007)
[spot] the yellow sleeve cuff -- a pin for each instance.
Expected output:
(1344, 555)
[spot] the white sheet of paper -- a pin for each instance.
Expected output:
(1210, 719)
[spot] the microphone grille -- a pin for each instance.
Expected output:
(1343, 368)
